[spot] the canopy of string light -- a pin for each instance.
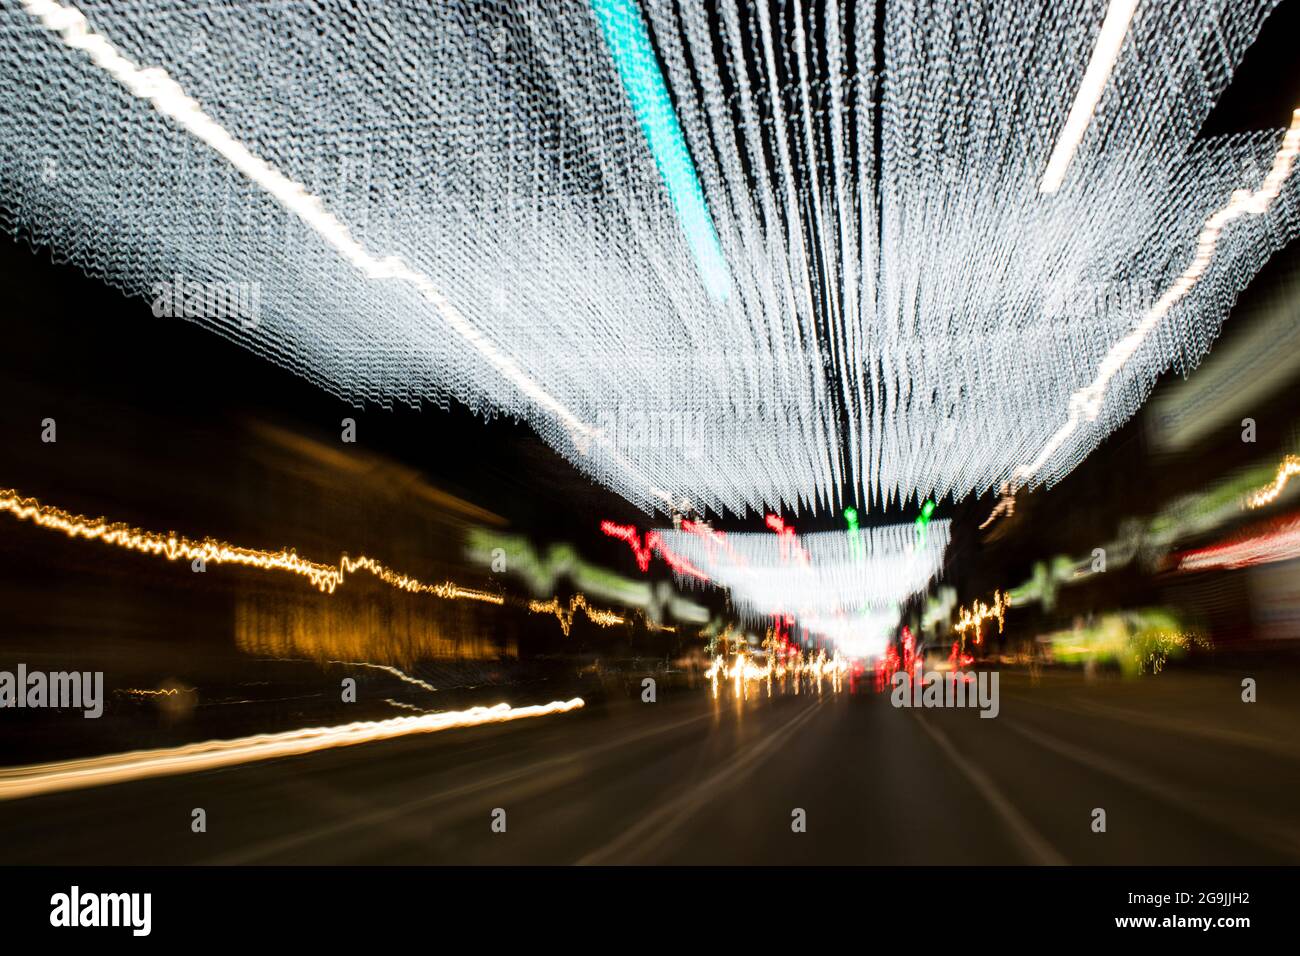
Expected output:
(846, 586)
(765, 255)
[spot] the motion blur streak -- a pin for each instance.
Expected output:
(1006, 506)
(395, 671)
(577, 603)
(653, 542)
(1289, 468)
(629, 45)
(1113, 30)
(170, 100)
(174, 547)
(1278, 541)
(1086, 403)
(19, 782)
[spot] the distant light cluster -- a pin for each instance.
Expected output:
(863, 271)
(845, 588)
(793, 669)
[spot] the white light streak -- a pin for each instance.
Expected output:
(1085, 404)
(169, 99)
(36, 779)
(1109, 42)
(460, 204)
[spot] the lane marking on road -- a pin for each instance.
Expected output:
(383, 815)
(1035, 846)
(1236, 738)
(1182, 799)
(652, 830)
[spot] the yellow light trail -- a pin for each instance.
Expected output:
(576, 603)
(1006, 505)
(1288, 469)
(326, 577)
(30, 781)
(979, 612)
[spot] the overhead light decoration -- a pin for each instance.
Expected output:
(817, 235)
(1087, 403)
(1119, 13)
(844, 590)
(629, 45)
(855, 542)
(923, 520)
(653, 543)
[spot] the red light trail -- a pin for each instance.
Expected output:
(653, 542)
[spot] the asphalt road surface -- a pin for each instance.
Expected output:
(1185, 771)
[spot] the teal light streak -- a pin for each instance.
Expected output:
(629, 45)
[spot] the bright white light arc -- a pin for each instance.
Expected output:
(1109, 42)
(463, 205)
(841, 586)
